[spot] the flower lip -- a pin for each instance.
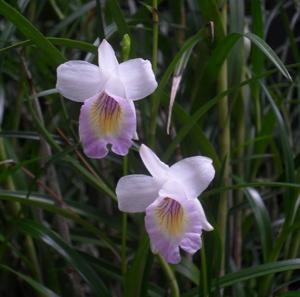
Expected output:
(170, 215)
(174, 224)
(106, 115)
(106, 120)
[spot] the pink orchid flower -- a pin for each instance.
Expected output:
(174, 216)
(107, 115)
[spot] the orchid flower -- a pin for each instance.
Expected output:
(174, 216)
(107, 115)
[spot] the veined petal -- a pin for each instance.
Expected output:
(138, 78)
(136, 192)
(79, 80)
(175, 221)
(165, 224)
(156, 167)
(107, 60)
(194, 173)
(106, 120)
(177, 191)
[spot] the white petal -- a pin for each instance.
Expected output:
(156, 167)
(107, 60)
(115, 88)
(173, 189)
(138, 78)
(79, 80)
(136, 192)
(204, 222)
(194, 174)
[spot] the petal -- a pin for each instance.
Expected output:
(106, 120)
(79, 80)
(175, 221)
(194, 173)
(176, 191)
(136, 192)
(138, 78)
(107, 60)
(191, 241)
(156, 167)
(114, 87)
(164, 222)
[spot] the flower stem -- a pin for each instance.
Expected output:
(124, 227)
(241, 130)
(203, 280)
(224, 140)
(155, 104)
(170, 275)
(155, 35)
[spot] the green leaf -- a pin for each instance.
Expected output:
(210, 11)
(134, 278)
(32, 33)
(72, 213)
(250, 273)
(262, 219)
(196, 136)
(257, 271)
(187, 268)
(290, 294)
(68, 253)
(33, 283)
(70, 43)
(291, 203)
(269, 53)
(118, 17)
(78, 11)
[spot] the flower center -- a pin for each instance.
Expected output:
(106, 115)
(170, 216)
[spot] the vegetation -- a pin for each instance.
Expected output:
(232, 68)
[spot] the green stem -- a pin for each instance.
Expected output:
(170, 275)
(57, 9)
(203, 281)
(224, 140)
(124, 227)
(155, 105)
(241, 171)
(155, 35)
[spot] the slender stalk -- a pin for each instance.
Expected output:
(126, 47)
(155, 35)
(155, 104)
(241, 170)
(124, 227)
(57, 9)
(203, 281)
(171, 277)
(282, 238)
(224, 140)
(293, 252)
